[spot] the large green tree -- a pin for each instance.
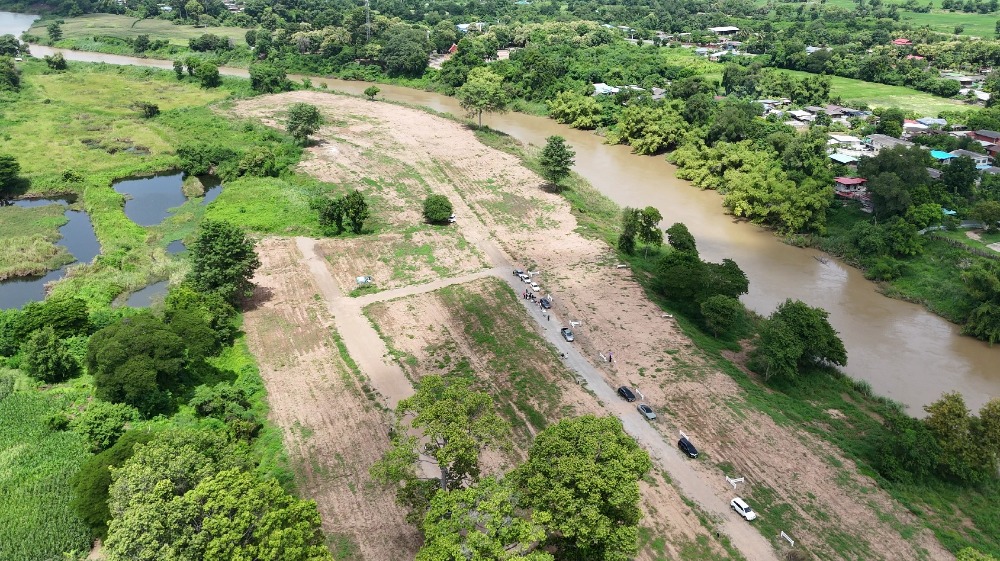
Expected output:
(356, 210)
(556, 160)
(266, 77)
(223, 261)
(581, 482)
(405, 52)
(9, 170)
(960, 176)
(303, 120)
(483, 92)
(484, 522)
(138, 361)
(795, 336)
(451, 424)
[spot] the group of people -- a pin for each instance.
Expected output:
(529, 295)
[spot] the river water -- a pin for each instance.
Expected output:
(905, 352)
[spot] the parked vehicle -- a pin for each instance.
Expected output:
(567, 334)
(451, 218)
(743, 509)
(626, 393)
(646, 411)
(524, 278)
(545, 303)
(535, 286)
(518, 273)
(685, 445)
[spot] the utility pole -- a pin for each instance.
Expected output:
(368, 21)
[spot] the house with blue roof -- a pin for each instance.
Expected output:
(943, 157)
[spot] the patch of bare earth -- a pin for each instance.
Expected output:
(825, 493)
(332, 431)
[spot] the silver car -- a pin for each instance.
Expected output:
(646, 411)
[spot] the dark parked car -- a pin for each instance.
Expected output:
(518, 273)
(685, 445)
(545, 303)
(626, 393)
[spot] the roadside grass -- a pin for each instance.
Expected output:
(495, 328)
(29, 236)
(36, 521)
(122, 27)
(859, 92)
(982, 243)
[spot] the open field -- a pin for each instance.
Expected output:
(808, 489)
(880, 95)
(121, 27)
(973, 25)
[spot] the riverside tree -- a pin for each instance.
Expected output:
(794, 336)
(266, 77)
(371, 91)
(556, 160)
(223, 261)
(483, 92)
(303, 120)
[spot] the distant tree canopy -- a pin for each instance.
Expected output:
(223, 261)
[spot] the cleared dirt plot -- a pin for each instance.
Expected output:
(333, 430)
(395, 260)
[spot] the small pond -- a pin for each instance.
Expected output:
(145, 297)
(77, 237)
(149, 200)
(175, 247)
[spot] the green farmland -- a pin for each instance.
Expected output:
(881, 95)
(124, 27)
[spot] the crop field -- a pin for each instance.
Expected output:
(36, 464)
(122, 27)
(977, 25)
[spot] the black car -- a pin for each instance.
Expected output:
(545, 303)
(626, 393)
(518, 272)
(685, 445)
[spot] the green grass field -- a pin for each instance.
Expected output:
(976, 25)
(122, 27)
(880, 95)
(29, 236)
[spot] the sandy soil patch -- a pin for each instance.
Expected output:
(828, 499)
(333, 432)
(395, 260)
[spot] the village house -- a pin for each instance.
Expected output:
(844, 185)
(979, 159)
(992, 137)
(880, 141)
(725, 31)
(942, 157)
(845, 141)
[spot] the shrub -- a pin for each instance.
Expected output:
(48, 358)
(103, 423)
(437, 208)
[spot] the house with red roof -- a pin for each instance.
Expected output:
(849, 185)
(902, 42)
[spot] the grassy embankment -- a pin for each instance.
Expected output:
(72, 134)
(960, 516)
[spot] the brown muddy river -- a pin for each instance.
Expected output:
(905, 352)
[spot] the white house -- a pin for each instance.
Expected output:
(979, 159)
